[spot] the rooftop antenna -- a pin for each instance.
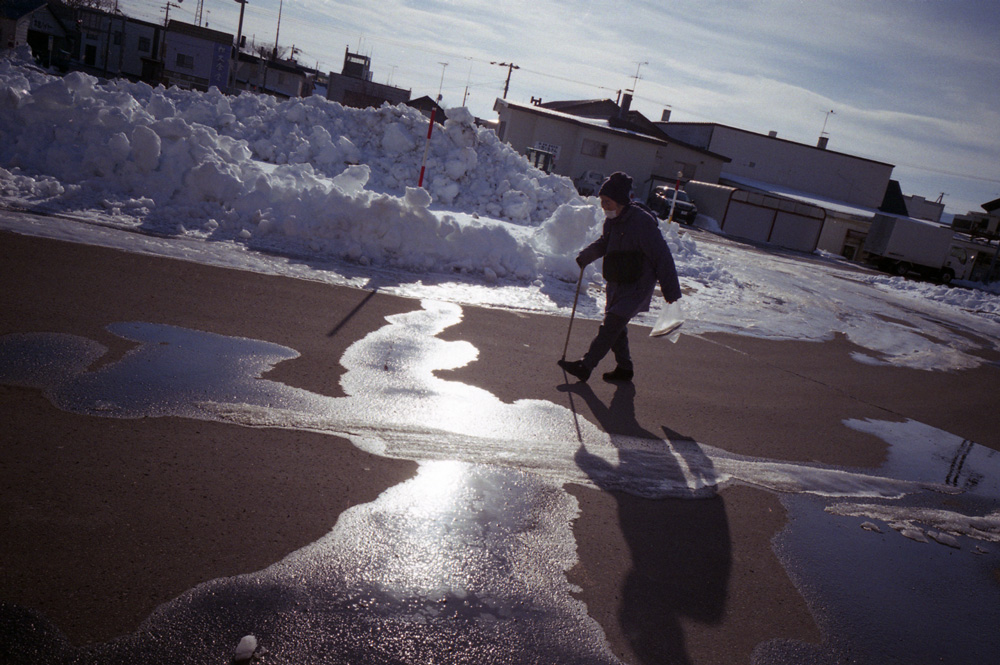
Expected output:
(823, 136)
(635, 79)
(441, 85)
(823, 131)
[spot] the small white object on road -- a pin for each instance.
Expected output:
(245, 649)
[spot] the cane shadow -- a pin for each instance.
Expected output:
(680, 547)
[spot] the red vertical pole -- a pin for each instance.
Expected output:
(423, 162)
(673, 203)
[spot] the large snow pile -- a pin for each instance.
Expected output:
(296, 176)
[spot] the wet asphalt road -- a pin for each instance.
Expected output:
(108, 519)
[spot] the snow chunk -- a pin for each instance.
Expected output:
(353, 180)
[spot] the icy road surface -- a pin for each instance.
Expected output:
(468, 560)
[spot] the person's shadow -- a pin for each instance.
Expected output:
(680, 547)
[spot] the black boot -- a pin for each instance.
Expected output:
(618, 375)
(576, 368)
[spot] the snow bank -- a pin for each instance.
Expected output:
(300, 176)
(975, 300)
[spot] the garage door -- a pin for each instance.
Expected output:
(774, 221)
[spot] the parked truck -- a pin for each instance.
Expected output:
(903, 245)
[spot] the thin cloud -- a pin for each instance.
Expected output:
(905, 77)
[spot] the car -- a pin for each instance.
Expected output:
(589, 183)
(661, 198)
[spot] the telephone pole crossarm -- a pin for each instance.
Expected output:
(510, 68)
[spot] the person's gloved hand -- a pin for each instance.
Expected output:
(580, 262)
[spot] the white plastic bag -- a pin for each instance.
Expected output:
(670, 322)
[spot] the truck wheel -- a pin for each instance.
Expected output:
(901, 268)
(947, 275)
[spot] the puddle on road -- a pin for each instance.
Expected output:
(470, 557)
(909, 581)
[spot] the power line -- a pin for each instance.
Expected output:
(955, 174)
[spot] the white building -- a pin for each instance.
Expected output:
(848, 188)
(195, 57)
(281, 78)
(115, 44)
(32, 22)
(815, 170)
(598, 135)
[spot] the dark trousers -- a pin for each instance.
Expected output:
(612, 336)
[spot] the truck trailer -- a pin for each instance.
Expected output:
(903, 245)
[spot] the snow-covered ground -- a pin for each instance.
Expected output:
(310, 188)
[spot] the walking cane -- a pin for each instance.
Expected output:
(573, 313)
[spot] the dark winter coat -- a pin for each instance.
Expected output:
(636, 257)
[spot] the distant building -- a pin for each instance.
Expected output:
(849, 189)
(921, 208)
(195, 57)
(354, 86)
(281, 78)
(112, 44)
(761, 158)
(35, 23)
(599, 136)
(984, 224)
(426, 105)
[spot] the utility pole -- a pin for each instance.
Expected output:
(274, 53)
(166, 18)
(239, 45)
(467, 82)
(510, 68)
(163, 42)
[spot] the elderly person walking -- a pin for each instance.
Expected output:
(636, 257)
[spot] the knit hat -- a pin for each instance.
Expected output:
(618, 188)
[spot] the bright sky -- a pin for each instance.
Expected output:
(910, 82)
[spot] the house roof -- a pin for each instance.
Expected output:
(991, 206)
(198, 31)
(666, 126)
(281, 65)
(621, 117)
(631, 125)
(425, 103)
(783, 191)
(587, 108)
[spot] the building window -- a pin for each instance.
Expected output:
(144, 44)
(118, 38)
(185, 61)
(594, 148)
